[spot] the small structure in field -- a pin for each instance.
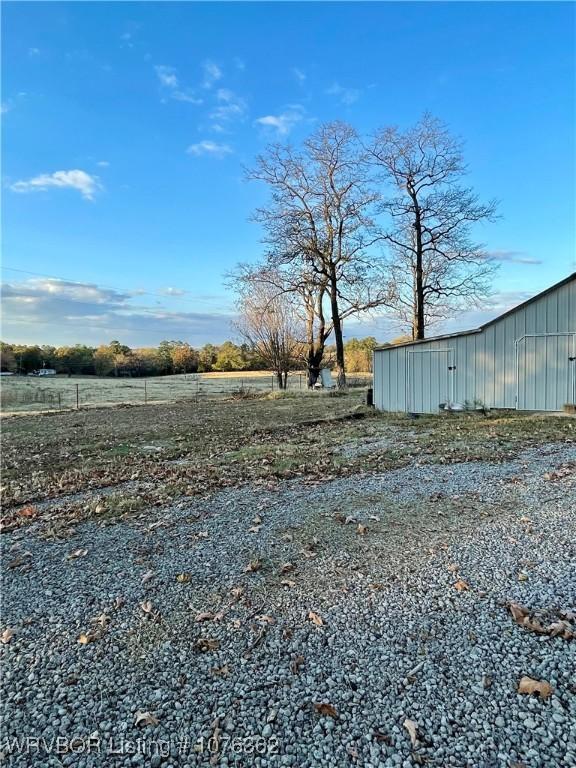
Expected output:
(524, 359)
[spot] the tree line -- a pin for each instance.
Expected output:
(356, 224)
(169, 357)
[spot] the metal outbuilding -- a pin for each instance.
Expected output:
(524, 359)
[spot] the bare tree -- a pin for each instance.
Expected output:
(268, 321)
(319, 221)
(436, 267)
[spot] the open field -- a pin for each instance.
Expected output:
(21, 394)
(300, 576)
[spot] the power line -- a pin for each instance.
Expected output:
(99, 285)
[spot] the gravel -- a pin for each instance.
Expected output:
(397, 641)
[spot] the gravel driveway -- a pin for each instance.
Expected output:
(314, 624)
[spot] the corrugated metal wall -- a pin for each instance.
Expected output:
(487, 367)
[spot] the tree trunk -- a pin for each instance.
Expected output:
(338, 339)
(280, 380)
(418, 325)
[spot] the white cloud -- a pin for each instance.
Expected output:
(299, 74)
(240, 64)
(6, 106)
(173, 291)
(84, 182)
(346, 96)
(171, 87)
(208, 147)
(283, 123)
(230, 107)
(33, 51)
(212, 73)
(103, 163)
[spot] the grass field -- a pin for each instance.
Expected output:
(30, 394)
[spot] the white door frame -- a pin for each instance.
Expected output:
(451, 368)
(572, 370)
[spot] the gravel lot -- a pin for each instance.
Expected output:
(233, 667)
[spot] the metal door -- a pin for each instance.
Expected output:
(546, 371)
(430, 378)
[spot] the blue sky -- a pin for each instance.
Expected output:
(157, 107)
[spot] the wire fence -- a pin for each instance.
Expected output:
(22, 394)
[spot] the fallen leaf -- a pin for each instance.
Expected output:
(89, 637)
(254, 529)
(297, 662)
(522, 576)
(288, 583)
(265, 619)
(361, 529)
(77, 553)
(223, 671)
(205, 616)
(461, 585)
(183, 578)
(7, 635)
(145, 718)
(102, 620)
(287, 568)
(147, 576)
(237, 592)
(118, 602)
(257, 520)
(349, 519)
(411, 727)
(529, 685)
(253, 566)
(206, 644)
(453, 567)
(147, 607)
(374, 517)
(315, 619)
(326, 710)
(27, 512)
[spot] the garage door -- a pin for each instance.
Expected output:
(429, 379)
(546, 371)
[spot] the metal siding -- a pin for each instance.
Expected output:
(486, 361)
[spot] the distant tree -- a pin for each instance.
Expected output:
(78, 359)
(359, 354)
(184, 359)
(229, 358)
(103, 361)
(269, 323)
(435, 266)
(207, 357)
(28, 358)
(7, 358)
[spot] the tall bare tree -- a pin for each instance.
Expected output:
(268, 322)
(319, 220)
(436, 267)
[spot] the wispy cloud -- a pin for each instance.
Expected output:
(173, 291)
(516, 257)
(283, 122)
(230, 107)
(33, 51)
(172, 87)
(103, 163)
(345, 95)
(212, 73)
(299, 74)
(87, 184)
(5, 107)
(240, 64)
(208, 147)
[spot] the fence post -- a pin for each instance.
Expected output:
(145, 393)
(59, 401)
(77, 397)
(272, 383)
